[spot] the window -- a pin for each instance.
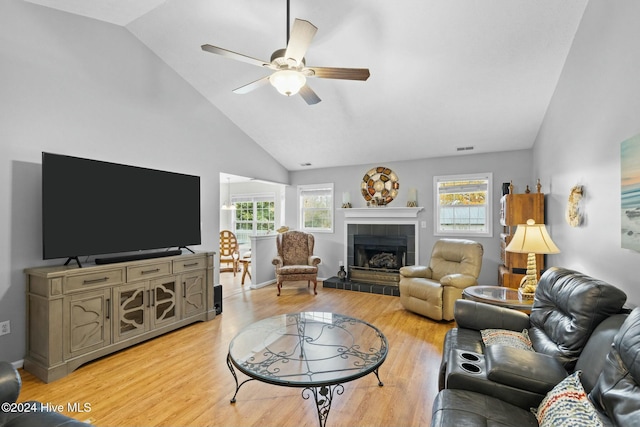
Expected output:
(254, 215)
(316, 207)
(463, 205)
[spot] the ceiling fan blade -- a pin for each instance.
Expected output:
(309, 95)
(302, 33)
(233, 55)
(252, 86)
(340, 73)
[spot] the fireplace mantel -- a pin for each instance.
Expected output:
(382, 212)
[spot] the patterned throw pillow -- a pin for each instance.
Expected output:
(567, 405)
(507, 338)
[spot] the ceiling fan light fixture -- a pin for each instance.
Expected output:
(288, 82)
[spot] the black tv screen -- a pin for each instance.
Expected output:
(92, 207)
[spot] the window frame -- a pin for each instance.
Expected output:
(254, 199)
(488, 206)
(302, 210)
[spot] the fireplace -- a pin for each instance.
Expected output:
(396, 227)
(377, 259)
(382, 252)
(375, 252)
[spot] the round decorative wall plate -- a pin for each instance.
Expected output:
(380, 186)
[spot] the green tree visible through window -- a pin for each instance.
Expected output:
(316, 207)
(253, 215)
(463, 204)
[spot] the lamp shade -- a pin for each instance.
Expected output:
(532, 238)
(287, 82)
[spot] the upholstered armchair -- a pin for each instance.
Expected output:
(432, 290)
(295, 260)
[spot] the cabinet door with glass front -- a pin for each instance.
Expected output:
(131, 313)
(164, 307)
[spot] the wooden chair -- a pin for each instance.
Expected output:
(229, 251)
(295, 260)
(245, 260)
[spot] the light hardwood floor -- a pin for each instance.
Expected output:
(181, 379)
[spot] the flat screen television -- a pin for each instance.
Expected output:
(91, 207)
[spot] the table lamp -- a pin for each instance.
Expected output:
(531, 239)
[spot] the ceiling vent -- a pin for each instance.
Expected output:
(468, 148)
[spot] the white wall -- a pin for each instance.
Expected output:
(78, 86)
(596, 106)
(507, 166)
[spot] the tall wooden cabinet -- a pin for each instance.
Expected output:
(517, 209)
(75, 315)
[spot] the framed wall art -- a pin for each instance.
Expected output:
(630, 193)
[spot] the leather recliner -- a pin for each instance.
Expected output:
(610, 369)
(432, 290)
(567, 307)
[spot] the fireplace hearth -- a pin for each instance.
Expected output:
(370, 288)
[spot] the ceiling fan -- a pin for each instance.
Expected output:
(290, 70)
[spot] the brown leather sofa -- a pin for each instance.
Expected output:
(26, 414)
(432, 290)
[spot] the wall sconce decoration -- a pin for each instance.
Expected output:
(380, 186)
(573, 214)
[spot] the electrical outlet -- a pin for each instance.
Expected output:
(5, 327)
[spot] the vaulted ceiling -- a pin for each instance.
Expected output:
(445, 74)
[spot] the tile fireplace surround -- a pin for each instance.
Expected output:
(377, 221)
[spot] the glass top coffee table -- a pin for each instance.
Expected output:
(498, 295)
(315, 351)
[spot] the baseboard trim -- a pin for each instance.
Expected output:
(262, 285)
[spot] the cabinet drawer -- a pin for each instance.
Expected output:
(147, 271)
(86, 281)
(189, 264)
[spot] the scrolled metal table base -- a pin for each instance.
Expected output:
(235, 377)
(323, 396)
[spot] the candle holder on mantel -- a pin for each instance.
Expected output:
(412, 199)
(346, 200)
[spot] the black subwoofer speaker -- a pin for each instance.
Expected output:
(217, 298)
